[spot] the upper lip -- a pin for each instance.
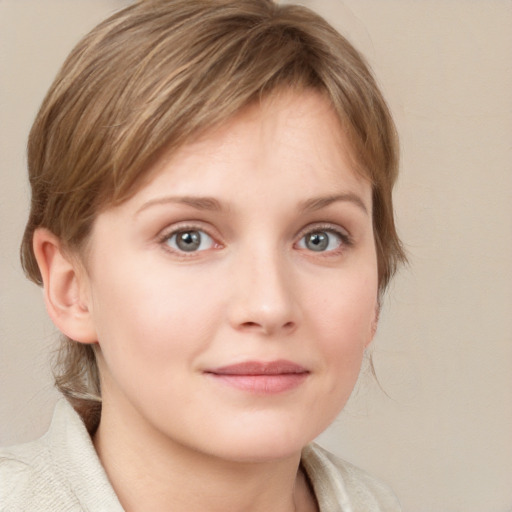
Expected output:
(280, 367)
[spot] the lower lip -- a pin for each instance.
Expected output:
(262, 384)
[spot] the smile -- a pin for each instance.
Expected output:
(260, 377)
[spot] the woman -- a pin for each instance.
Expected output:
(212, 224)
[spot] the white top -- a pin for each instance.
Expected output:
(62, 472)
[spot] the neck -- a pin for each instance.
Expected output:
(159, 474)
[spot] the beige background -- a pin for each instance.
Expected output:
(443, 437)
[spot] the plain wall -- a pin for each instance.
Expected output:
(443, 353)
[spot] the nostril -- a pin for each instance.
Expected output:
(250, 325)
(266, 327)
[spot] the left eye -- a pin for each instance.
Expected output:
(321, 241)
(190, 240)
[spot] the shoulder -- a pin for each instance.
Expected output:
(59, 471)
(339, 485)
(29, 480)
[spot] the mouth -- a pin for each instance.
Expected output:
(261, 377)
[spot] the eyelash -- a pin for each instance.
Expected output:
(345, 239)
(174, 231)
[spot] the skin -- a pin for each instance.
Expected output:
(172, 434)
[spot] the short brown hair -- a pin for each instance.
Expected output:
(156, 74)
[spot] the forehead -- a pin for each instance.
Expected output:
(290, 136)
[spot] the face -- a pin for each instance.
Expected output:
(234, 294)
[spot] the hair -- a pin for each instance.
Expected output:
(158, 73)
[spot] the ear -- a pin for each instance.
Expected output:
(374, 325)
(65, 285)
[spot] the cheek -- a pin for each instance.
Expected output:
(345, 315)
(341, 318)
(148, 319)
(347, 307)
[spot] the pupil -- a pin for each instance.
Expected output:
(317, 241)
(188, 241)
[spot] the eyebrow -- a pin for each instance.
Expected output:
(314, 204)
(212, 204)
(199, 203)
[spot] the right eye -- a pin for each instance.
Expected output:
(321, 241)
(189, 240)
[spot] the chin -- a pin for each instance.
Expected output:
(262, 443)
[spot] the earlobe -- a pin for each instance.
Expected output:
(64, 283)
(374, 325)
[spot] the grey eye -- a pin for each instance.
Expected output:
(190, 240)
(317, 241)
(320, 241)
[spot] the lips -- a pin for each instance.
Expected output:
(261, 377)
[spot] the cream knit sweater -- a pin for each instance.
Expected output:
(61, 472)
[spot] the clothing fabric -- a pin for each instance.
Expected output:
(62, 472)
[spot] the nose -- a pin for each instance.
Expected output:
(263, 299)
